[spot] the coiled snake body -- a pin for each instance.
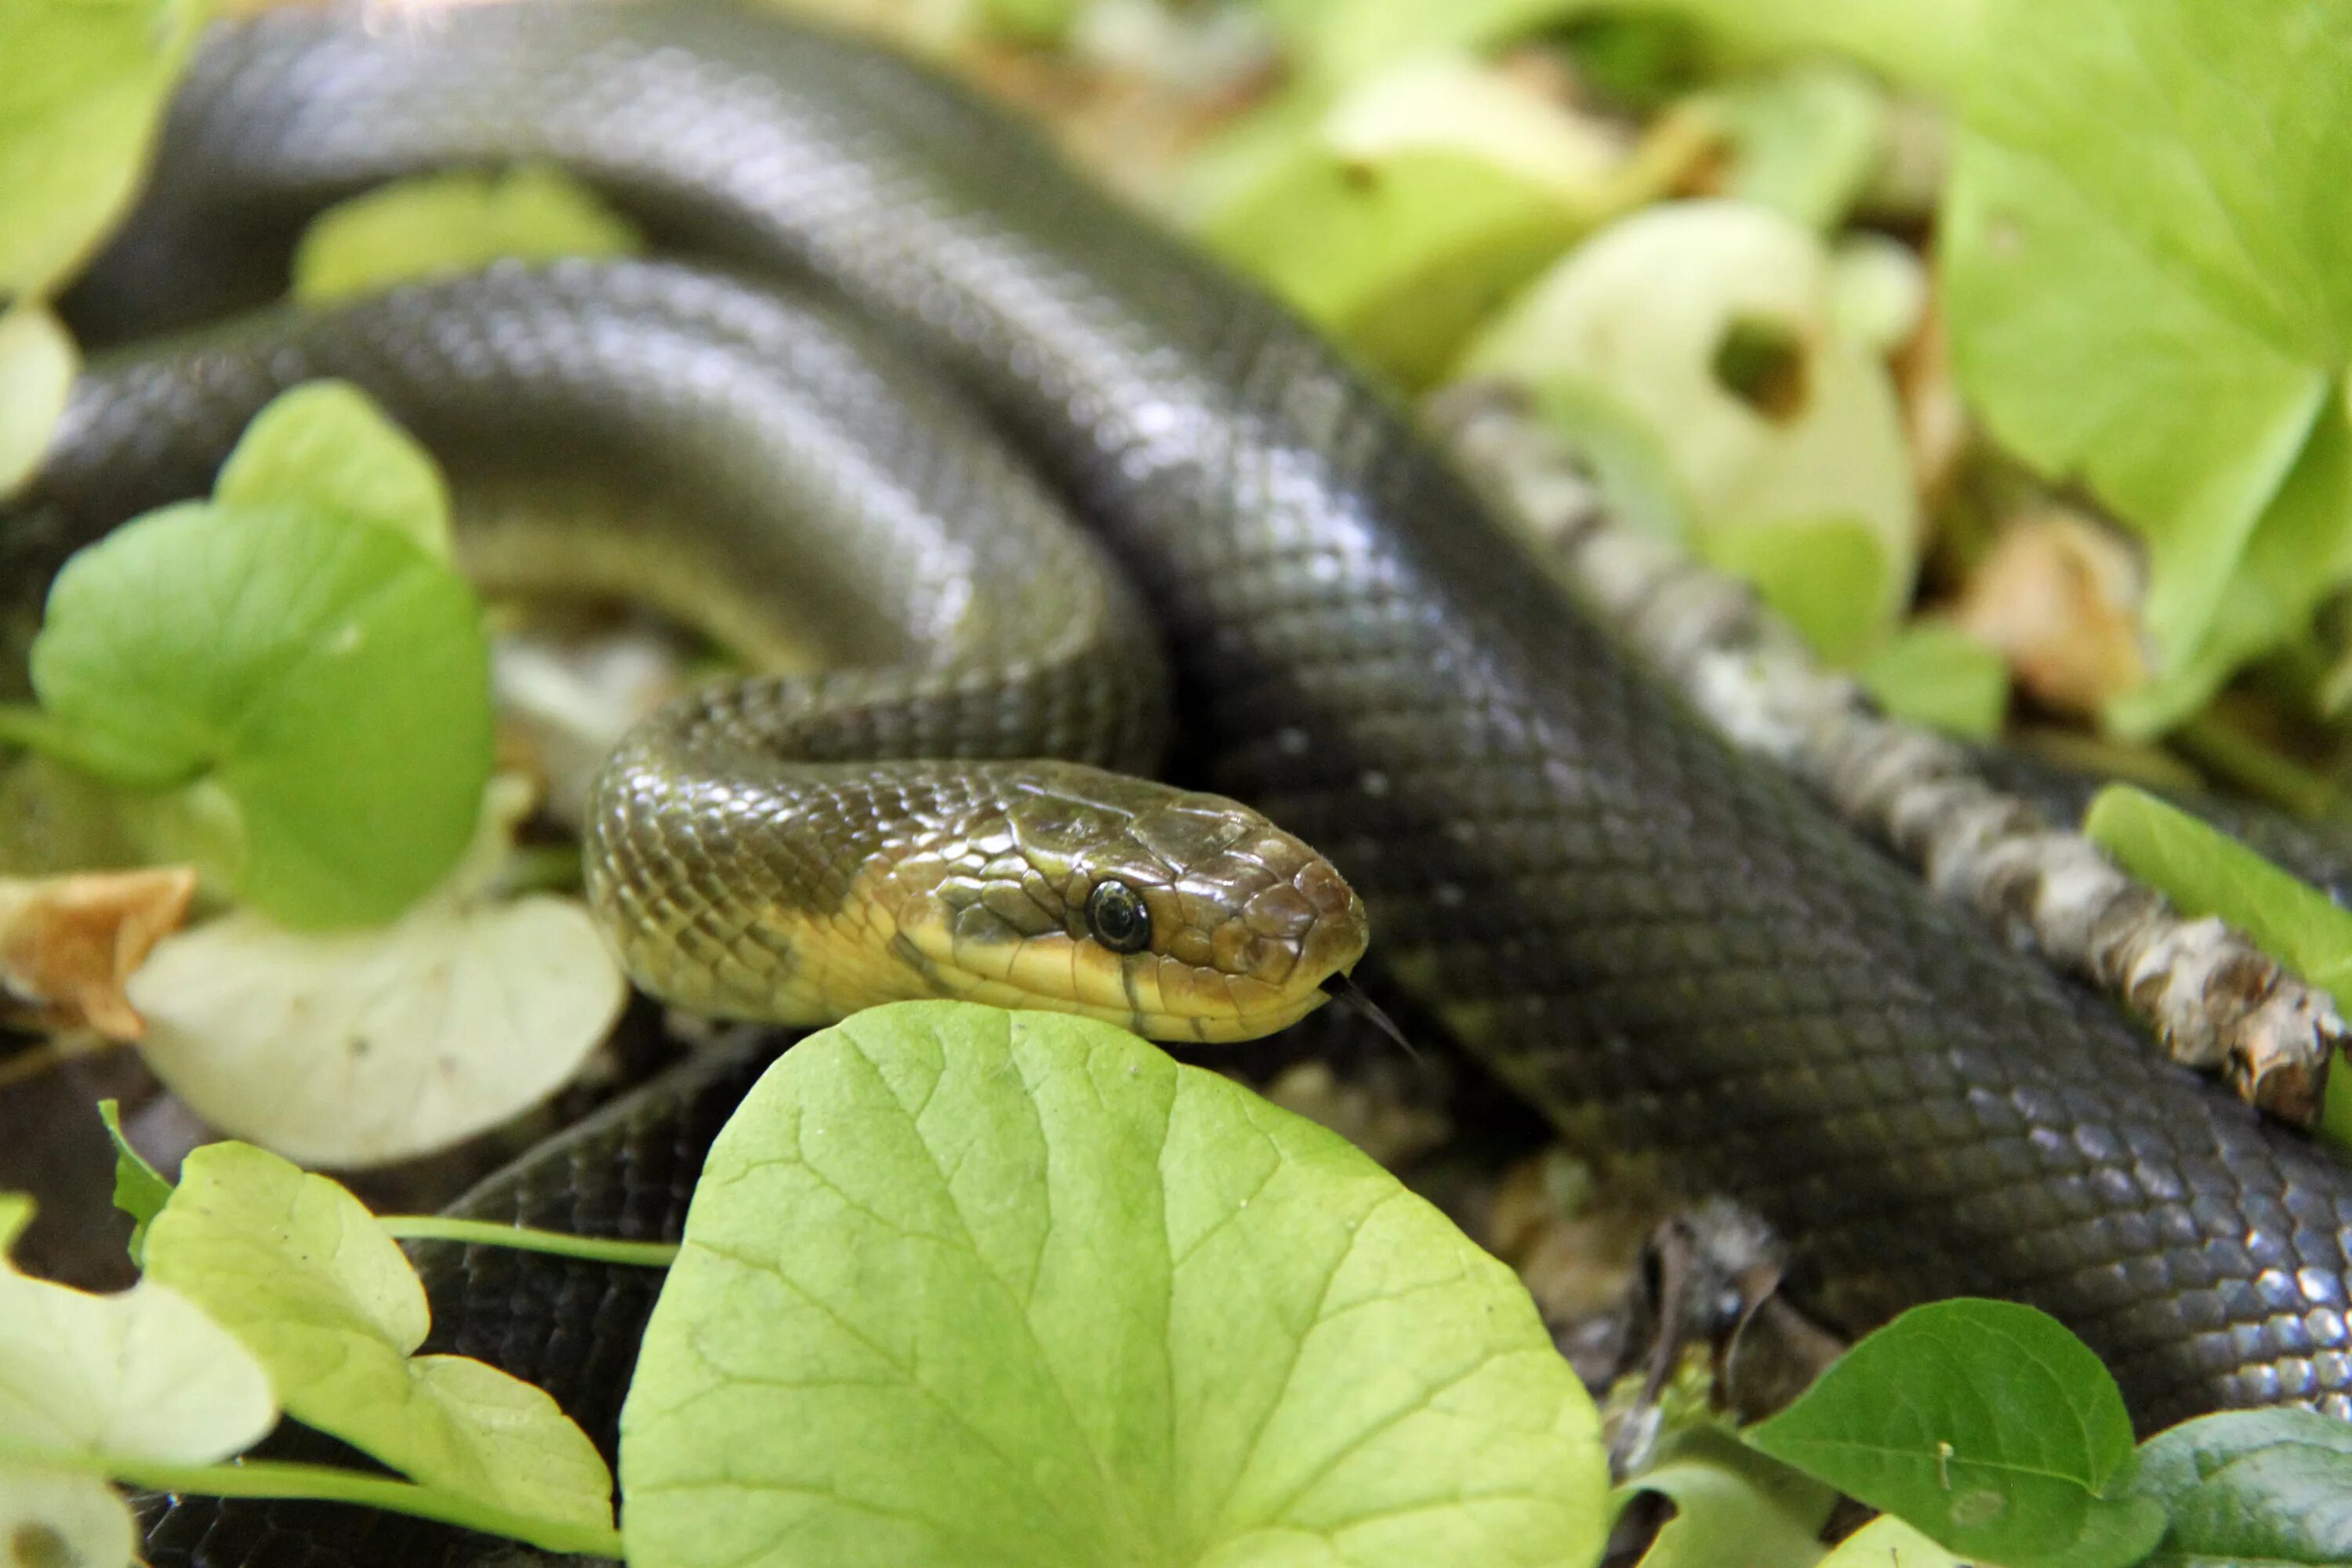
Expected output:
(1667, 947)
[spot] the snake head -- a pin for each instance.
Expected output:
(1177, 915)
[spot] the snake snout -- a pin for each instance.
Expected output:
(1250, 922)
(1307, 925)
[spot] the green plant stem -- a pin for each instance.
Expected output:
(325, 1483)
(55, 1052)
(23, 725)
(486, 1233)
(2220, 747)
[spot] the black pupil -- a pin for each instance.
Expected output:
(1119, 918)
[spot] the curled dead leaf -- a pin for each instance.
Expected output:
(2059, 596)
(68, 944)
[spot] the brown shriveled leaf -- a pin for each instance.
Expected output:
(70, 943)
(2059, 597)
(1933, 417)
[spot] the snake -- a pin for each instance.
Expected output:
(791, 848)
(1669, 949)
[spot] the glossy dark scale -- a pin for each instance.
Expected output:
(1656, 940)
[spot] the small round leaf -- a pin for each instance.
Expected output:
(1733, 1505)
(298, 1271)
(325, 444)
(141, 1375)
(434, 224)
(2272, 1487)
(1985, 1425)
(330, 678)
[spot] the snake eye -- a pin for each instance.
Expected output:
(1115, 915)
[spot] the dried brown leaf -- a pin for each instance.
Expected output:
(1935, 419)
(70, 943)
(2059, 596)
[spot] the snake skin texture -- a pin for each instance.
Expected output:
(1669, 949)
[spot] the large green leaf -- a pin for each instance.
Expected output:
(969, 1287)
(2142, 238)
(1985, 1425)
(2210, 139)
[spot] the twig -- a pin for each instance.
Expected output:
(2214, 998)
